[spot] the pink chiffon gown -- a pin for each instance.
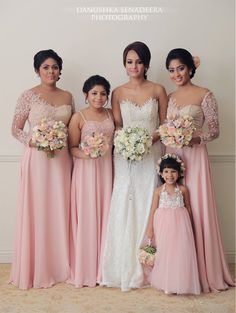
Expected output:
(213, 268)
(41, 257)
(175, 269)
(90, 200)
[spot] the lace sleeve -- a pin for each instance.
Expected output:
(19, 119)
(210, 110)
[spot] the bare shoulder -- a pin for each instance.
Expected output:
(157, 89)
(183, 188)
(110, 113)
(76, 117)
(158, 190)
(67, 96)
(118, 93)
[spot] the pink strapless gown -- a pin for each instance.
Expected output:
(213, 268)
(41, 256)
(90, 201)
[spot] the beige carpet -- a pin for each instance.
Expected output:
(64, 298)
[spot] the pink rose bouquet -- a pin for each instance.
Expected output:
(147, 255)
(95, 145)
(49, 136)
(177, 132)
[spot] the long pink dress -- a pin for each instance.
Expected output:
(175, 269)
(90, 201)
(41, 256)
(213, 269)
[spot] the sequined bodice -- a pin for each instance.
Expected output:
(106, 127)
(171, 201)
(145, 116)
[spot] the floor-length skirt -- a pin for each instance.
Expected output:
(41, 256)
(134, 185)
(175, 269)
(91, 196)
(213, 268)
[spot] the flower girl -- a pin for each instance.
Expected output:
(175, 269)
(90, 137)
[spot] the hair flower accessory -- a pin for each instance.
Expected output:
(196, 61)
(171, 156)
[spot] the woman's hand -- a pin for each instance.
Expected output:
(31, 144)
(78, 153)
(155, 137)
(150, 232)
(194, 141)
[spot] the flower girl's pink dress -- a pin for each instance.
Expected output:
(175, 269)
(90, 201)
(41, 256)
(213, 269)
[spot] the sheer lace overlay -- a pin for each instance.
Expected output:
(31, 108)
(206, 113)
(210, 110)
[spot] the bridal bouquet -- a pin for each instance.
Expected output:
(49, 136)
(133, 143)
(95, 145)
(177, 132)
(147, 255)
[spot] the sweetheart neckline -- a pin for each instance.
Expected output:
(137, 105)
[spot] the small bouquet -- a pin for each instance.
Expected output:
(147, 255)
(177, 132)
(133, 143)
(95, 145)
(49, 136)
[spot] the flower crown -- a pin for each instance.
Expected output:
(171, 156)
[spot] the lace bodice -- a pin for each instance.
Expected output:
(30, 107)
(145, 116)
(171, 201)
(106, 127)
(207, 113)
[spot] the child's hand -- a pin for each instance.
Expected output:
(150, 232)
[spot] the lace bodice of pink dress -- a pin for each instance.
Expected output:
(32, 108)
(105, 127)
(206, 113)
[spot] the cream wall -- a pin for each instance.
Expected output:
(205, 27)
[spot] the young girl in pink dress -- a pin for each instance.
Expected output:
(91, 182)
(200, 104)
(175, 269)
(41, 257)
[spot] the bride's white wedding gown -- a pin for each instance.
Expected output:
(130, 203)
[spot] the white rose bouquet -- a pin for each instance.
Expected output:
(133, 143)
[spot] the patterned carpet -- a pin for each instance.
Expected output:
(64, 298)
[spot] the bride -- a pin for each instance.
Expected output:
(140, 103)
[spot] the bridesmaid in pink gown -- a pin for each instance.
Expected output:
(41, 257)
(199, 103)
(91, 184)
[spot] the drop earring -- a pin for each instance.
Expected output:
(105, 104)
